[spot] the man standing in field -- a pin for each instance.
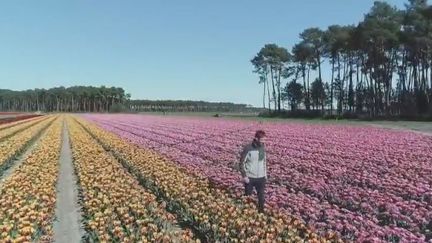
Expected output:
(253, 168)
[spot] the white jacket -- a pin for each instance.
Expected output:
(253, 161)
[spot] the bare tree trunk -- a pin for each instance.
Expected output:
(274, 89)
(319, 67)
(279, 89)
(305, 87)
(268, 92)
(331, 86)
(430, 77)
(415, 78)
(264, 93)
(350, 87)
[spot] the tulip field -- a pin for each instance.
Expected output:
(362, 183)
(147, 178)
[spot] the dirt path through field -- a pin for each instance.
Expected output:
(420, 128)
(67, 226)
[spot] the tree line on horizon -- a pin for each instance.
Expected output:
(61, 99)
(102, 99)
(380, 67)
(187, 106)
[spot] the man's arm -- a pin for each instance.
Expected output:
(243, 160)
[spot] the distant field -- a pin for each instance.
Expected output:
(202, 114)
(422, 127)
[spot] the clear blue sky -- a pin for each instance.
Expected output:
(187, 49)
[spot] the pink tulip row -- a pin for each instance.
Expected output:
(360, 182)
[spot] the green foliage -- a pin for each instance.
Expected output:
(303, 54)
(318, 94)
(119, 108)
(271, 65)
(61, 99)
(293, 93)
(381, 67)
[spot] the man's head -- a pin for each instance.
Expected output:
(259, 135)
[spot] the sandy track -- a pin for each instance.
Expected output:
(67, 226)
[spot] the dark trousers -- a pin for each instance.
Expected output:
(259, 184)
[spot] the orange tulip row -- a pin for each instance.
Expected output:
(14, 145)
(28, 196)
(212, 212)
(115, 207)
(10, 131)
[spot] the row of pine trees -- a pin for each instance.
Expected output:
(102, 99)
(61, 99)
(380, 67)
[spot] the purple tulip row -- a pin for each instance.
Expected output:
(360, 182)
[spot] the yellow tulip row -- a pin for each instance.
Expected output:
(14, 123)
(9, 131)
(14, 145)
(116, 208)
(27, 197)
(211, 211)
